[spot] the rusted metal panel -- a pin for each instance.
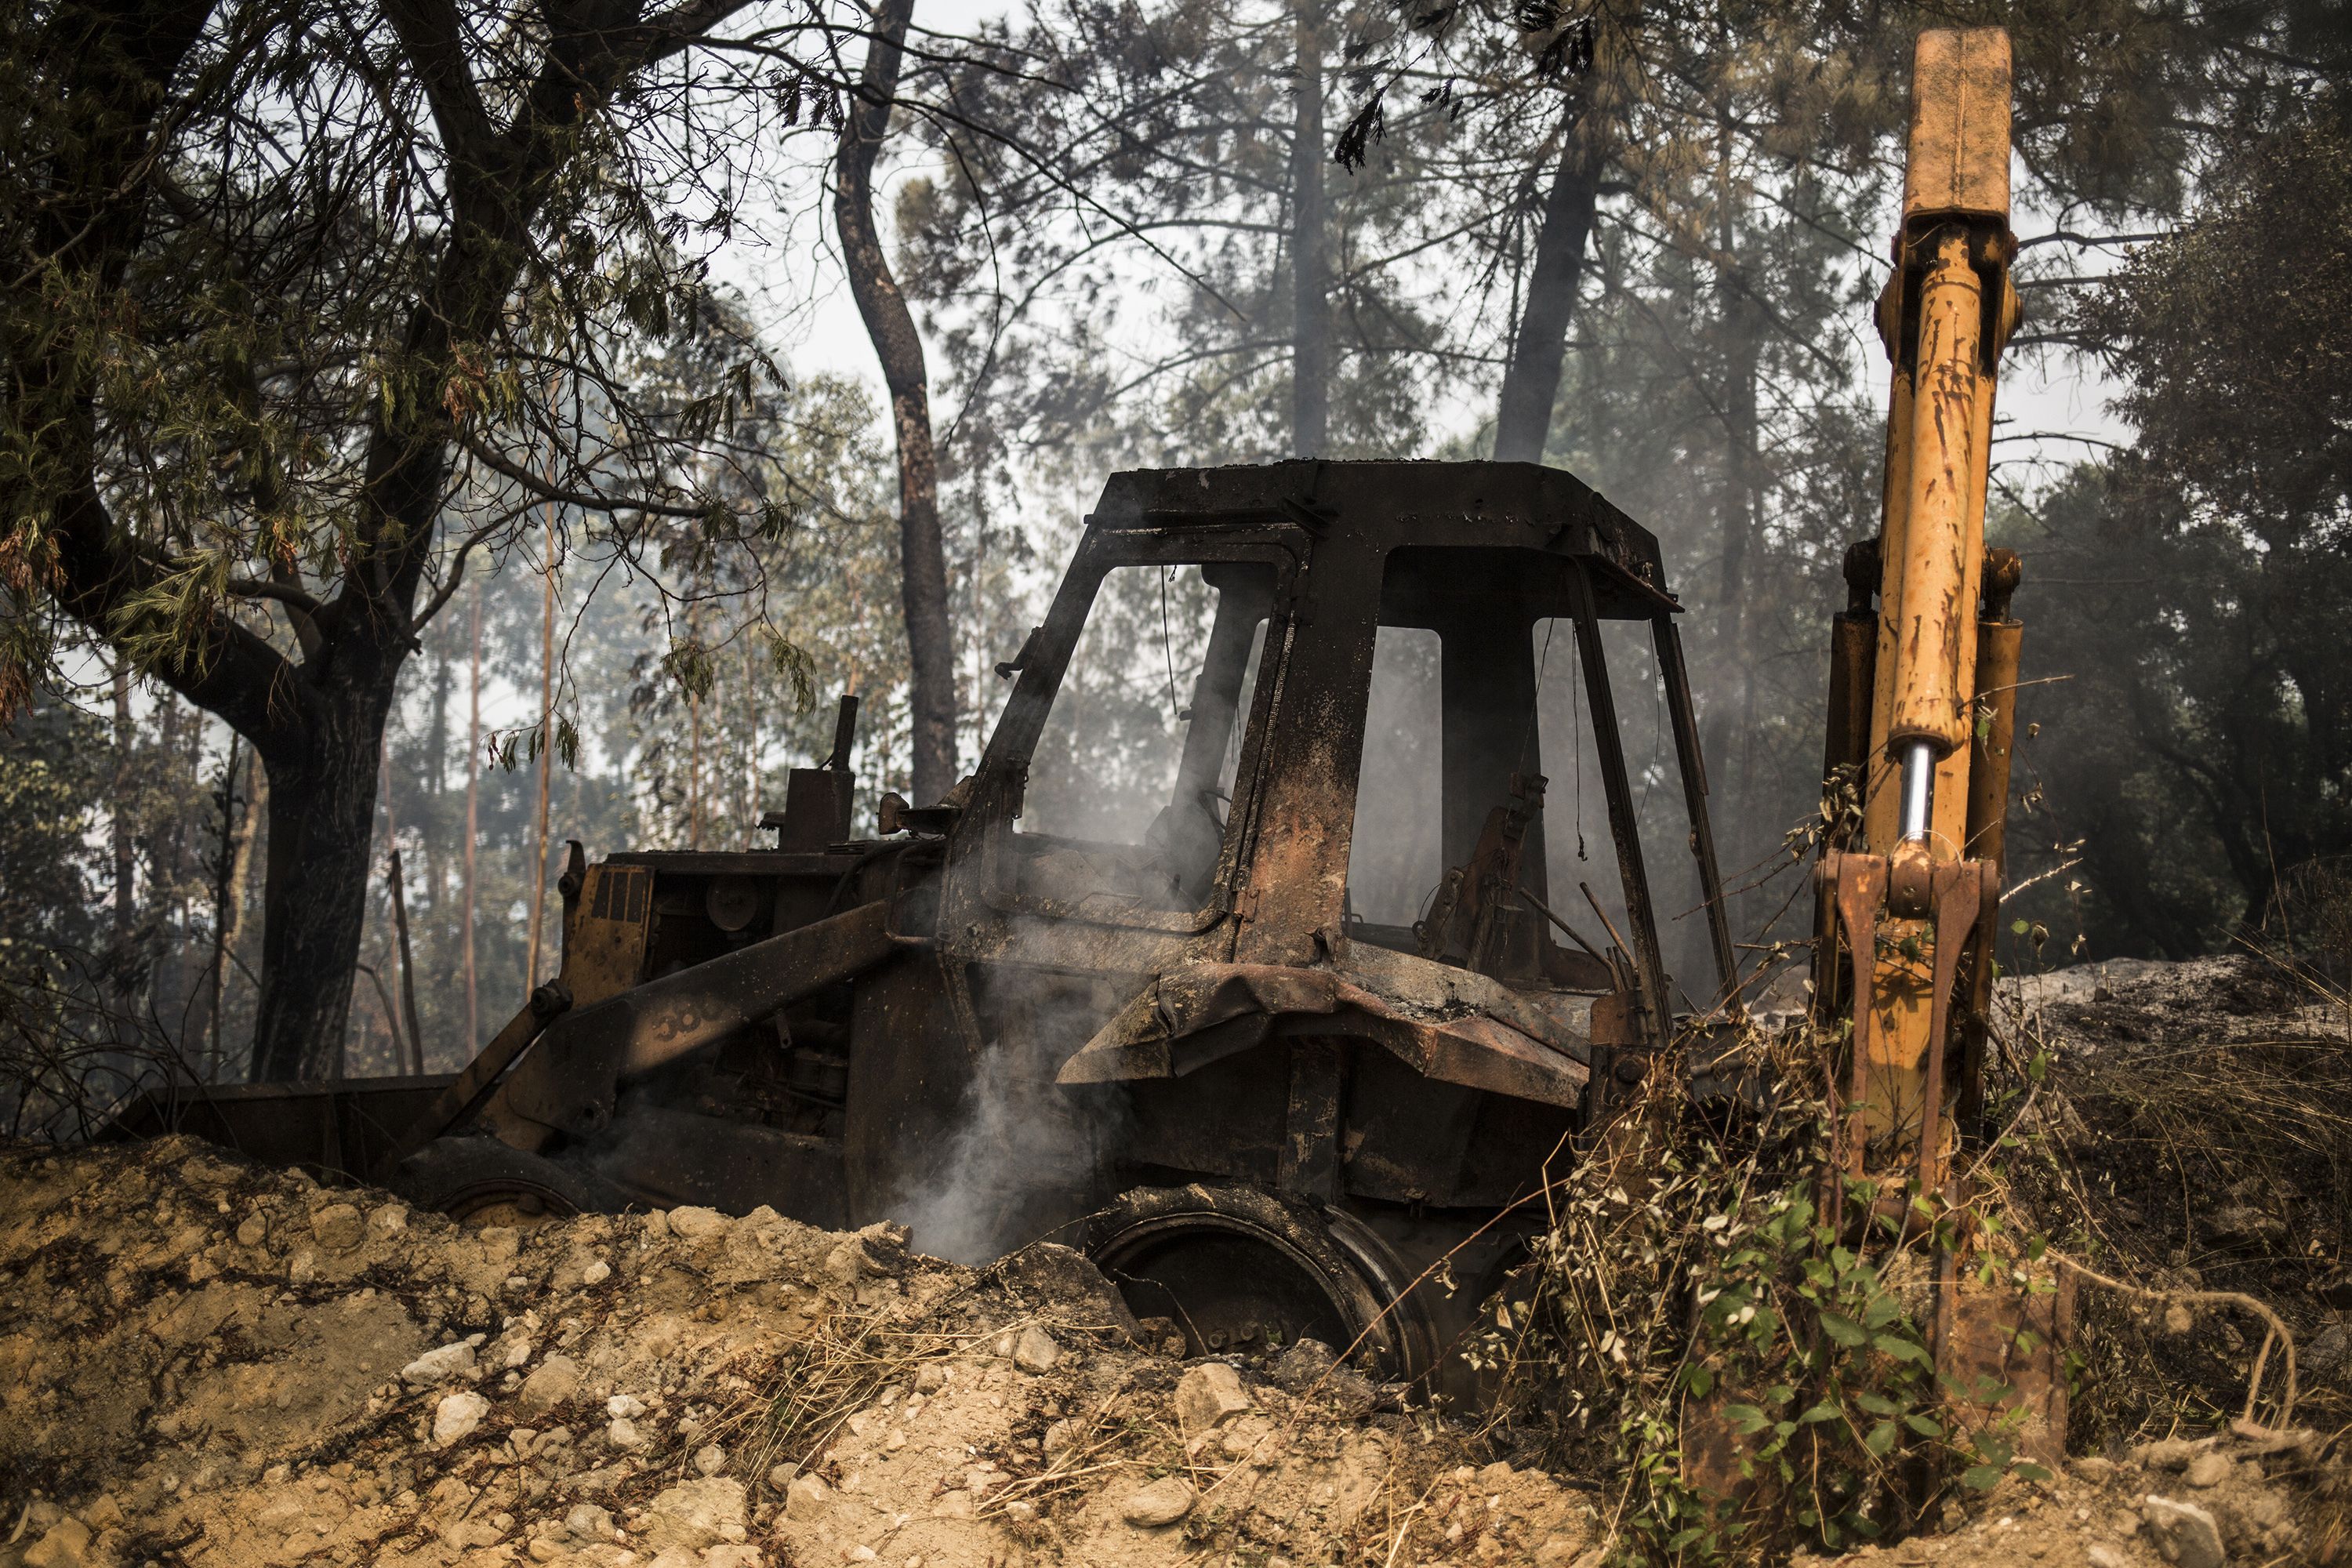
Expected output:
(467, 1092)
(568, 1083)
(1991, 751)
(1147, 1037)
(1310, 1132)
(1993, 734)
(1624, 825)
(1668, 640)
(2000, 1352)
(606, 930)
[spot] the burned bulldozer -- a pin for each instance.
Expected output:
(1258, 956)
(1268, 1018)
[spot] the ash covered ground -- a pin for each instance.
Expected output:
(210, 1363)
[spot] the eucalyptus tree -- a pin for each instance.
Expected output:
(1137, 247)
(307, 306)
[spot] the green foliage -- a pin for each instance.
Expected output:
(1690, 1284)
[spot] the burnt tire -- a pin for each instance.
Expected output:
(1240, 1270)
(480, 1181)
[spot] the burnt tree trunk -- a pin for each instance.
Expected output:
(922, 556)
(322, 790)
(1310, 357)
(1531, 379)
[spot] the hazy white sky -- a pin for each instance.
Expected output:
(2045, 399)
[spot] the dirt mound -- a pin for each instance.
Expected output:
(213, 1364)
(2193, 1134)
(2249, 1497)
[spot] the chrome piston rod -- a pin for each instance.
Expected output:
(1918, 788)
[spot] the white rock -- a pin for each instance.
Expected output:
(806, 1497)
(65, 1544)
(623, 1433)
(625, 1407)
(710, 1460)
(449, 1362)
(2186, 1534)
(699, 1224)
(586, 1522)
(596, 1273)
(1209, 1395)
(457, 1417)
(338, 1228)
(695, 1514)
(556, 1380)
(2209, 1469)
(1034, 1351)
(1163, 1502)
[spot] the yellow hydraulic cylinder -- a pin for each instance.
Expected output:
(1947, 313)
(1935, 621)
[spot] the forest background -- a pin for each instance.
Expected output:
(449, 368)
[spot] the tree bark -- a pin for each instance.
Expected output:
(250, 813)
(473, 820)
(546, 749)
(1739, 504)
(1531, 379)
(1310, 303)
(923, 570)
(119, 813)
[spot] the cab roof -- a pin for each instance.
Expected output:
(1389, 505)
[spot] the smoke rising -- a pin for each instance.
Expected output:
(1025, 1156)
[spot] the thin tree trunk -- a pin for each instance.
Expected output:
(224, 881)
(923, 568)
(473, 820)
(118, 813)
(1310, 347)
(240, 883)
(437, 822)
(750, 814)
(1738, 508)
(1532, 380)
(408, 971)
(694, 773)
(546, 753)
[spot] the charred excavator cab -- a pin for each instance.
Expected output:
(1249, 958)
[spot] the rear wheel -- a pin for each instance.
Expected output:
(480, 1182)
(1236, 1269)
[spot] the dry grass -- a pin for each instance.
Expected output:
(2197, 1142)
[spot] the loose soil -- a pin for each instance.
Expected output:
(209, 1363)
